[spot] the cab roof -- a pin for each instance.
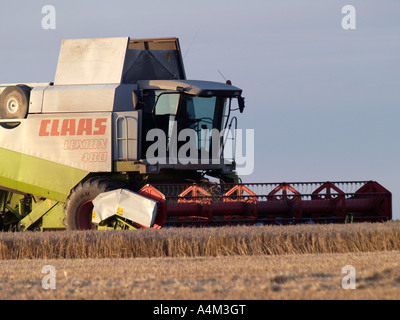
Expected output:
(198, 88)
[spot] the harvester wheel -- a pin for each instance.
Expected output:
(14, 102)
(79, 206)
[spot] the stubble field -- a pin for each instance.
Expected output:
(239, 263)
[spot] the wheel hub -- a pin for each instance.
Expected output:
(12, 105)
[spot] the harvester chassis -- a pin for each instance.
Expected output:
(66, 144)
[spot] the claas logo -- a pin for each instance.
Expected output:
(73, 127)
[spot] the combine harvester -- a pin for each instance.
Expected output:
(80, 153)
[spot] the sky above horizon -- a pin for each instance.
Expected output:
(323, 101)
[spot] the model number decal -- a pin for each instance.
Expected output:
(94, 157)
(85, 144)
(73, 127)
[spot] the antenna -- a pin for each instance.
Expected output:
(222, 75)
(191, 43)
(226, 81)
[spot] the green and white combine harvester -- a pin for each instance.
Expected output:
(74, 154)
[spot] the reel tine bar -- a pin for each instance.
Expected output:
(275, 202)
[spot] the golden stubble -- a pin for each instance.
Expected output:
(202, 242)
(240, 263)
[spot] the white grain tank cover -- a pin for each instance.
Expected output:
(91, 61)
(126, 204)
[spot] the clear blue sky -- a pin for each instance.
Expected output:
(323, 101)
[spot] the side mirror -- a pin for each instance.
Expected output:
(137, 98)
(241, 104)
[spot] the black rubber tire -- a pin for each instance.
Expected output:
(14, 102)
(78, 207)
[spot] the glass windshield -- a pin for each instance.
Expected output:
(201, 114)
(165, 112)
(173, 112)
(167, 103)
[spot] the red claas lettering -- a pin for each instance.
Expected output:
(72, 127)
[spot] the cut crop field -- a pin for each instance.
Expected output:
(298, 276)
(240, 263)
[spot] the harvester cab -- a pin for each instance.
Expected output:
(188, 118)
(122, 140)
